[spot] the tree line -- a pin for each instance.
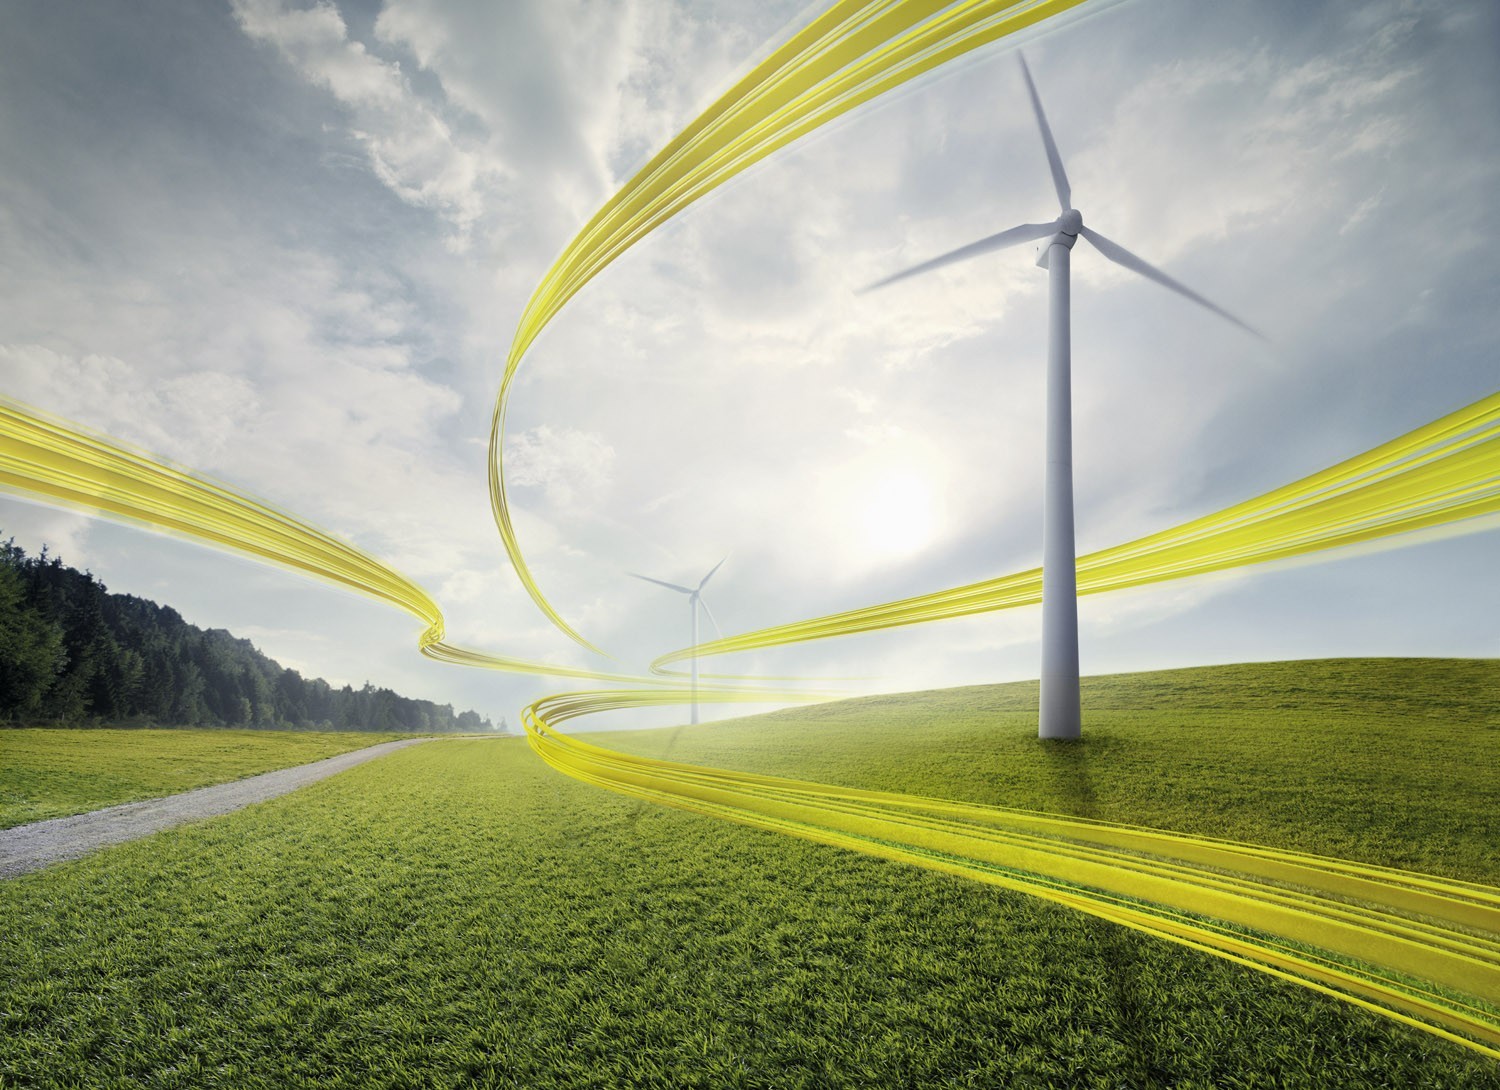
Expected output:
(71, 653)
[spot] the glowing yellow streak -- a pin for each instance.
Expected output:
(850, 54)
(1440, 473)
(48, 459)
(1419, 949)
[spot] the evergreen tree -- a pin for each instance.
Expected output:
(31, 645)
(71, 652)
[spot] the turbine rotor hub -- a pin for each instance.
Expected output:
(1068, 226)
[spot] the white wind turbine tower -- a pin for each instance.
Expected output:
(695, 599)
(1060, 715)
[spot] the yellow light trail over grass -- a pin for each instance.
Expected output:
(849, 55)
(1422, 950)
(1438, 474)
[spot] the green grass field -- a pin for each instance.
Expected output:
(53, 773)
(457, 914)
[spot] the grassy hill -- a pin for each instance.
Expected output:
(459, 915)
(1389, 761)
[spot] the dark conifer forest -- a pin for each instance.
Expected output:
(72, 654)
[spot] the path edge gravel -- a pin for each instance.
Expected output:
(28, 848)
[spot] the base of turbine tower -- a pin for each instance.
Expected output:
(1061, 712)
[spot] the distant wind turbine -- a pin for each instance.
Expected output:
(1060, 716)
(695, 599)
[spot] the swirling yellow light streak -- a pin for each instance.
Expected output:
(1440, 473)
(852, 53)
(45, 458)
(1419, 949)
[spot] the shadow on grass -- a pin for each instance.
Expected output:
(1067, 763)
(643, 806)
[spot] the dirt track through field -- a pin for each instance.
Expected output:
(26, 848)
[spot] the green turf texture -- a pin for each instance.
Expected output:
(54, 773)
(456, 914)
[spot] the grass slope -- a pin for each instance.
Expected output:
(458, 915)
(1389, 761)
(54, 773)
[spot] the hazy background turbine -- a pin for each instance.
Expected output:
(695, 602)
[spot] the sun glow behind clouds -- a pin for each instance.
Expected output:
(890, 501)
(899, 515)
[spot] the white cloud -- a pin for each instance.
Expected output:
(578, 92)
(571, 467)
(34, 527)
(1360, 212)
(411, 147)
(1227, 144)
(188, 417)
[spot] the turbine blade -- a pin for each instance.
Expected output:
(704, 582)
(711, 619)
(658, 582)
(1026, 232)
(1121, 256)
(1054, 160)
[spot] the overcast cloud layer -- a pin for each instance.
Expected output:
(287, 245)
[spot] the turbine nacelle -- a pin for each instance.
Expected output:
(1068, 226)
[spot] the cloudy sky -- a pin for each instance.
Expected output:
(287, 244)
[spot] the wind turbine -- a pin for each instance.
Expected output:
(695, 599)
(1060, 715)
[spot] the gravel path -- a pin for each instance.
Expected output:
(26, 848)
